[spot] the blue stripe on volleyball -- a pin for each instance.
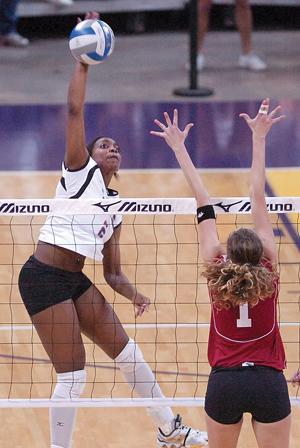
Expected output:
(95, 56)
(108, 38)
(107, 41)
(82, 32)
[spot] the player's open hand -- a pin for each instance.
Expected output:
(170, 131)
(141, 304)
(262, 123)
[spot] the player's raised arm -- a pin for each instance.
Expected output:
(175, 138)
(76, 151)
(260, 126)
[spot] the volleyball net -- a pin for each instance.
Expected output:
(161, 257)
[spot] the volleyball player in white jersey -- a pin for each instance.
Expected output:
(64, 304)
(245, 349)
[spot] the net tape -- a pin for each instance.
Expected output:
(148, 206)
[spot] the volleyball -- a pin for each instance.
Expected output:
(91, 41)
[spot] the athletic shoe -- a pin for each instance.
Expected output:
(200, 62)
(252, 62)
(14, 40)
(181, 436)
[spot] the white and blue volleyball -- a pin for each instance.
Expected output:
(91, 41)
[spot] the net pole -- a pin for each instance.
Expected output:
(193, 89)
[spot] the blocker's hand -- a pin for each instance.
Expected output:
(262, 123)
(141, 304)
(173, 136)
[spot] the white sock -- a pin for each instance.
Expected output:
(140, 377)
(69, 385)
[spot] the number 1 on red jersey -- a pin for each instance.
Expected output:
(244, 320)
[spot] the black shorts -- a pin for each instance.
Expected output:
(261, 391)
(42, 286)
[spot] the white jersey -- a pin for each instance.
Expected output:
(83, 234)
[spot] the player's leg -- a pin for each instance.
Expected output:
(59, 331)
(243, 17)
(244, 21)
(275, 435)
(271, 417)
(224, 408)
(222, 436)
(204, 7)
(100, 323)
(44, 290)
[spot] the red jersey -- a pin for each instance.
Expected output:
(243, 334)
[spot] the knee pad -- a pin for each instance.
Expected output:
(131, 357)
(70, 384)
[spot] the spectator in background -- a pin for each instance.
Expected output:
(243, 18)
(8, 21)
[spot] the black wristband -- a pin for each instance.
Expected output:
(205, 212)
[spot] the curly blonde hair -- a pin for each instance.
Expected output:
(241, 278)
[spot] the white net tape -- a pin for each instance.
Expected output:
(134, 206)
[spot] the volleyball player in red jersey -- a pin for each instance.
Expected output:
(245, 349)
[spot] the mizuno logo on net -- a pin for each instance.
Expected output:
(133, 206)
(245, 206)
(11, 207)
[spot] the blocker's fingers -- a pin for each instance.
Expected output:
(167, 117)
(264, 107)
(175, 117)
(282, 117)
(159, 124)
(158, 134)
(274, 111)
(188, 128)
(246, 117)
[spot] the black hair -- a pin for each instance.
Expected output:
(91, 145)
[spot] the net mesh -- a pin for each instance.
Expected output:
(160, 255)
